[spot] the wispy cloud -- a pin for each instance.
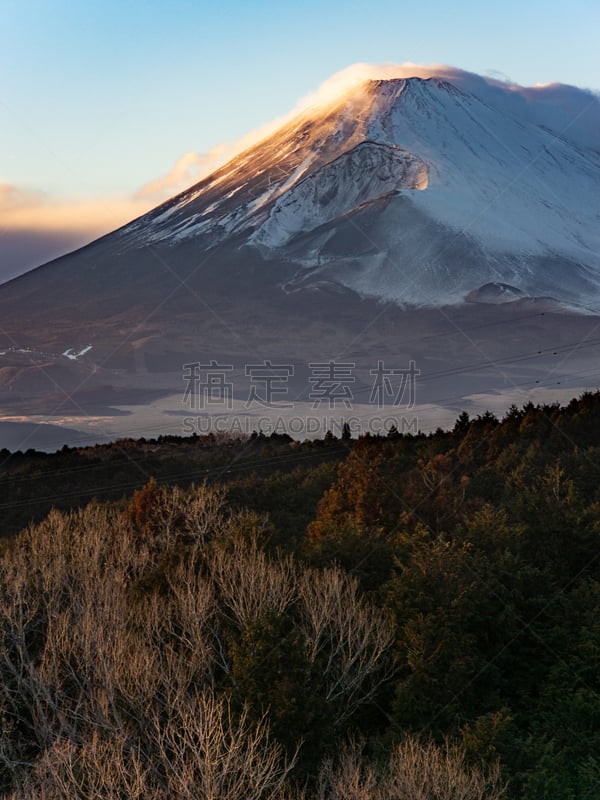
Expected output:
(188, 169)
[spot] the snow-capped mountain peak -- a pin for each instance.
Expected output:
(409, 189)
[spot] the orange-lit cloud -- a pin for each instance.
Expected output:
(12, 198)
(22, 211)
(346, 79)
(35, 228)
(191, 167)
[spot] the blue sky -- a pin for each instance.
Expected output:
(98, 98)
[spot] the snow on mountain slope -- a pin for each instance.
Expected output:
(360, 175)
(449, 191)
(513, 185)
(240, 194)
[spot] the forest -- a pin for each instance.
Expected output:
(400, 617)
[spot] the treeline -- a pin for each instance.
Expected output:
(33, 482)
(409, 617)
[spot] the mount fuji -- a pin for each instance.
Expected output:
(409, 190)
(400, 213)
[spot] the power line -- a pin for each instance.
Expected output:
(206, 473)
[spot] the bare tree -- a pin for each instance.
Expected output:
(199, 514)
(107, 691)
(250, 584)
(348, 637)
(195, 749)
(206, 515)
(349, 777)
(205, 752)
(425, 771)
(102, 696)
(416, 770)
